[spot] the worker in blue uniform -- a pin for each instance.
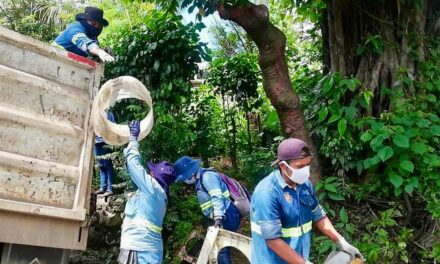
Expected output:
(141, 239)
(105, 164)
(284, 209)
(213, 196)
(81, 37)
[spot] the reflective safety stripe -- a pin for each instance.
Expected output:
(225, 194)
(287, 232)
(255, 228)
(215, 192)
(56, 45)
(206, 205)
(77, 36)
(296, 231)
(142, 222)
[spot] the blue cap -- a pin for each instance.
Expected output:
(185, 167)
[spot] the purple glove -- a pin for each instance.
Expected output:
(135, 129)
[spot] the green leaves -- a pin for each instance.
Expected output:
(322, 114)
(377, 142)
(156, 65)
(333, 118)
(331, 185)
(162, 52)
(330, 188)
(401, 141)
(407, 165)
(385, 153)
(435, 130)
(236, 77)
(342, 126)
(343, 215)
(368, 163)
(396, 180)
(366, 137)
(419, 148)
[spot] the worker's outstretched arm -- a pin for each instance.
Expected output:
(90, 46)
(284, 251)
(102, 54)
(137, 172)
(133, 160)
(83, 42)
(326, 228)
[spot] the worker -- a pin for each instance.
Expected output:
(284, 209)
(105, 164)
(81, 37)
(141, 239)
(213, 196)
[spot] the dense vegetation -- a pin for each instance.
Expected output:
(369, 87)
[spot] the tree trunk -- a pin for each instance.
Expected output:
(347, 24)
(248, 128)
(271, 43)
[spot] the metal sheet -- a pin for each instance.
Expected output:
(46, 140)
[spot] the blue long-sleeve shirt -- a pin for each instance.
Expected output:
(213, 194)
(111, 118)
(75, 40)
(145, 208)
(279, 211)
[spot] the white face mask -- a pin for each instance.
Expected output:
(298, 176)
(190, 180)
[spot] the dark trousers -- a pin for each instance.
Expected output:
(106, 171)
(231, 223)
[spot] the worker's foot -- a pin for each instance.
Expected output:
(107, 193)
(100, 191)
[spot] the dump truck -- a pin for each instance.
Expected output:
(46, 145)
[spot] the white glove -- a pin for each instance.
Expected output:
(346, 247)
(104, 56)
(308, 262)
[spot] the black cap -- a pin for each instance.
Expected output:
(92, 13)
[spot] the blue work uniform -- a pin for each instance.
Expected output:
(213, 196)
(144, 211)
(279, 211)
(105, 166)
(75, 40)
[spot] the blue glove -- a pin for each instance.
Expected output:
(135, 129)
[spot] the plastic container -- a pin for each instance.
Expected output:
(112, 91)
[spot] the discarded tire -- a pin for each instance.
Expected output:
(112, 91)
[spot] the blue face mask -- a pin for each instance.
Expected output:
(91, 31)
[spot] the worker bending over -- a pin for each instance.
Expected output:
(213, 196)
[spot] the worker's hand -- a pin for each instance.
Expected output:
(218, 222)
(104, 56)
(346, 247)
(308, 262)
(135, 129)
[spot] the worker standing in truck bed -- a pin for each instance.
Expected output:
(81, 37)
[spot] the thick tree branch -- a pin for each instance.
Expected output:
(271, 43)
